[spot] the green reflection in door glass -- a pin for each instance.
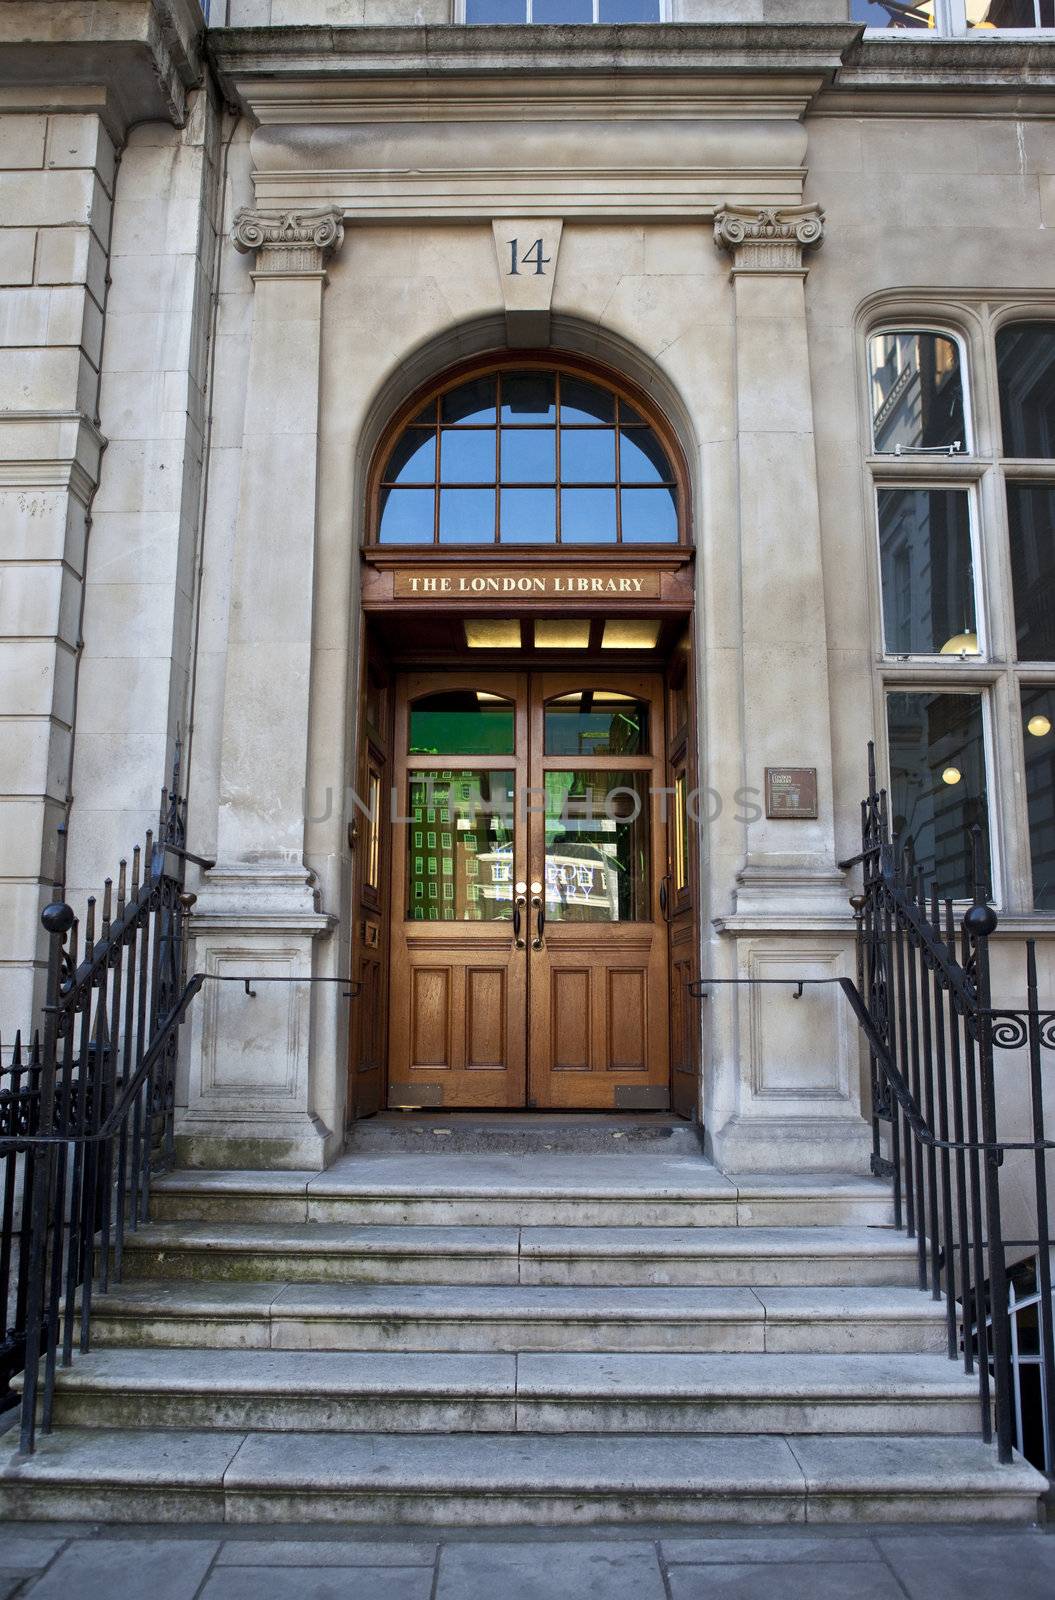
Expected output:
(596, 722)
(461, 722)
(460, 846)
(597, 846)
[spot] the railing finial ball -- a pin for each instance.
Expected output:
(58, 917)
(980, 921)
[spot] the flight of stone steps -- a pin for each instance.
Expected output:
(433, 1333)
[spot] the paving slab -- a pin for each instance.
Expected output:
(101, 1569)
(775, 1549)
(325, 1553)
(21, 1552)
(309, 1583)
(519, 1571)
(983, 1566)
(802, 1581)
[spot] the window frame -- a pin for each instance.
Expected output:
(973, 319)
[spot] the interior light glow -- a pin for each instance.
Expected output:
(961, 644)
(562, 633)
(630, 633)
(951, 775)
(1038, 726)
(493, 633)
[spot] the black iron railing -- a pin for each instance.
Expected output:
(939, 1105)
(86, 1112)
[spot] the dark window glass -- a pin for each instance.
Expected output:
(917, 392)
(587, 516)
(529, 397)
(1025, 366)
(928, 583)
(471, 403)
(597, 831)
(460, 722)
(583, 402)
(460, 846)
(413, 460)
(406, 516)
(596, 722)
(987, 14)
(642, 459)
(938, 784)
(1031, 524)
(1038, 737)
(467, 516)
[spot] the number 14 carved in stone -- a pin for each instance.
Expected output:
(531, 257)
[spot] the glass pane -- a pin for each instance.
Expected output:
(937, 784)
(1031, 524)
(528, 516)
(588, 456)
(372, 859)
(562, 11)
(584, 402)
(650, 516)
(496, 10)
(596, 722)
(460, 847)
(1025, 364)
(629, 11)
(642, 459)
(1038, 737)
(413, 459)
(681, 834)
(892, 14)
(467, 516)
(928, 583)
(467, 457)
(917, 394)
(587, 516)
(470, 402)
(597, 832)
(407, 516)
(529, 455)
(529, 396)
(988, 14)
(461, 722)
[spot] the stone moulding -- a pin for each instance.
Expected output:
(288, 241)
(767, 238)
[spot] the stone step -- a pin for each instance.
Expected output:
(541, 1190)
(338, 1252)
(333, 1391)
(165, 1475)
(516, 1317)
(524, 1133)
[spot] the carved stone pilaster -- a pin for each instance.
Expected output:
(768, 239)
(289, 242)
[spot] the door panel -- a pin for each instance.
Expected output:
(682, 908)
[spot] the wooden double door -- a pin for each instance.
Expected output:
(530, 892)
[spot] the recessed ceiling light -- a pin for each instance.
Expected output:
(630, 633)
(493, 633)
(564, 633)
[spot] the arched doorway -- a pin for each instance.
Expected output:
(525, 881)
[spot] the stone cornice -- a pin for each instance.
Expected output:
(768, 239)
(134, 60)
(288, 243)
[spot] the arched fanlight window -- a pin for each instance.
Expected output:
(528, 455)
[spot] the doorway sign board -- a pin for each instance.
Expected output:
(564, 584)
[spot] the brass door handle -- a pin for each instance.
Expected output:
(518, 942)
(540, 922)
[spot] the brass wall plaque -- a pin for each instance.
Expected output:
(526, 584)
(791, 792)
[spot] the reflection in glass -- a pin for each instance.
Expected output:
(1038, 739)
(562, 11)
(529, 397)
(989, 14)
(1025, 367)
(372, 856)
(467, 457)
(588, 456)
(917, 392)
(460, 846)
(529, 455)
(529, 516)
(472, 402)
(614, 11)
(1031, 526)
(406, 516)
(581, 402)
(597, 843)
(596, 722)
(938, 784)
(681, 834)
(413, 460)
(461, 722)
(650, 516)
(642, 459)
(928, 583)
(467, 516)
(892, 14)
(494, 10)
(587, 516)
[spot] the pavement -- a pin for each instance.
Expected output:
(95, 1561)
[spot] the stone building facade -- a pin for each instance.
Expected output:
(242, 255)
